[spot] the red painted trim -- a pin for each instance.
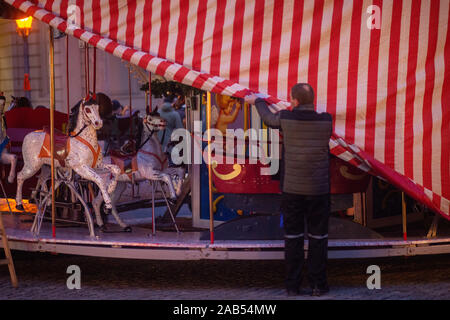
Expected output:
(313, 66)
(352, 76)
(294, 51)
(333, 61)
(411, 89)
(391, 99)
(427, 116)
(372, 87)
(272, 81)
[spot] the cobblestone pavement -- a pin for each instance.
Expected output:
(43, 276)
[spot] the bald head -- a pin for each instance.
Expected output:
(301, 94)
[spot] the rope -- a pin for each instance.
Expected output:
(148, 138)
(67, 81)
(94, 76)
(86, 77)
(73, 136)
(88, 71)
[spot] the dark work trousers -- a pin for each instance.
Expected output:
(314, 211)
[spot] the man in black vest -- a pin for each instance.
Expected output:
(304, 184)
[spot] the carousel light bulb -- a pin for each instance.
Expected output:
(24, 25)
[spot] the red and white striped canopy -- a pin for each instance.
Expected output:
(388, 88)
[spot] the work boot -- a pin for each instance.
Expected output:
(292, 292)
(319, 291)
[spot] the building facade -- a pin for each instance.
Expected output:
(112, 73)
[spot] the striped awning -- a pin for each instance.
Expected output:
(380, 67)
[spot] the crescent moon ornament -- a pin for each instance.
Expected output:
(237, 169)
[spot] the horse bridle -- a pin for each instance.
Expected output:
(85, 125)
(148, 138)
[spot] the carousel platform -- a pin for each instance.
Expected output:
(187, 245)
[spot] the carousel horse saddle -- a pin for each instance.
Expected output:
(126, 162)
(62, 146)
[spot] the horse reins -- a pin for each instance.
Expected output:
(79, 132)
(148, 138)
(85, 125)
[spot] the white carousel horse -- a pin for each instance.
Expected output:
(79, 152)
(149, 164)
(6, 157)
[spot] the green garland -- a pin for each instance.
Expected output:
(162, 89)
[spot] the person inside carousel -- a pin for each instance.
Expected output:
(305, 186)
(119, 110)
(2, 103)
(2, 116)
(173, 120)
(180, 107)
(120, 126)
(3, 137)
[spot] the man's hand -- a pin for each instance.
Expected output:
(250, 99)
(124, 111)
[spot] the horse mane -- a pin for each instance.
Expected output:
(155, 112)
(91, 101)
(23, 102)
(140, 129)
(105, 105)
(73, 117)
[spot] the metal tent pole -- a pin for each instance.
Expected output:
(208, 127)
(52, 122)
(405, 235)
(27, 63)
(131, 122)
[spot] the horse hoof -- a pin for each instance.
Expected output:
(127, 229)
(10, 179)
(20, 207)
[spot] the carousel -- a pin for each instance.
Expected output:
(78, 187)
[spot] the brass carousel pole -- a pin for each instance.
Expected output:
(208, 127)
(131, 121)
(52, 122)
